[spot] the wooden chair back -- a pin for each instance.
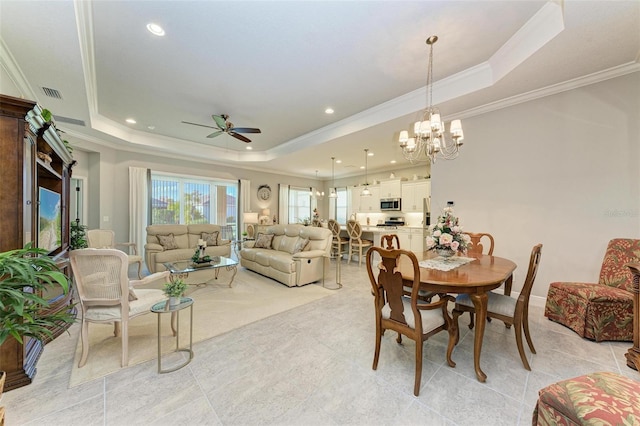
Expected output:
(391, 240)
(477, 247)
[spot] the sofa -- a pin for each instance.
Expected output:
(172, 243)
(291, 254)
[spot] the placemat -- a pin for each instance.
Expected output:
(441, 264)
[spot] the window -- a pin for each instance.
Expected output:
(299, 205)
(191, 200)
(342, 205)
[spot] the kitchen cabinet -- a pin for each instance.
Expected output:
(391, 188)
(410, 238)
(361, 204)
(413, 194)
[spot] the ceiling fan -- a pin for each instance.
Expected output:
(223, 125)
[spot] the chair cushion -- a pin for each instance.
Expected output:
(599, 398)
(497, 303)
(168, 242)
(146, 299)
(430, 319)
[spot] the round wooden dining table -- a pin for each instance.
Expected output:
(475, 278)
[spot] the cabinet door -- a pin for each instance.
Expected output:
(417, 240)
(405, 239)
(391, 189)
(413, 194)
(371, 204)
(355, 199)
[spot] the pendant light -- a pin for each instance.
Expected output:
(332, 191)
(365, 192)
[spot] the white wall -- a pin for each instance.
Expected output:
(562, 171)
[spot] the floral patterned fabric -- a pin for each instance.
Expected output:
(602, 311)
(594, 399)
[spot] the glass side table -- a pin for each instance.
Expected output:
(164, 308)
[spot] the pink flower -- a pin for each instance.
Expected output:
(455, 245)
(446, 239)
(430, 242)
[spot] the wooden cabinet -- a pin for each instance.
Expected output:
(391, 188)
(413, 194)
(35, 165)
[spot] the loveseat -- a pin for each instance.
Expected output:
(291, 254)
(172, 243)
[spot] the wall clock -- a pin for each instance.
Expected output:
(264, 192)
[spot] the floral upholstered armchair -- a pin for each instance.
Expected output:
(602, 311)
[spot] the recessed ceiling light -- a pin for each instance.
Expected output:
(393, 161)
(362, 167)
(338, 161)
(370, 154)
(151, 127)
(155, 29)
(130, 121)
(249, 148)
(328, 110)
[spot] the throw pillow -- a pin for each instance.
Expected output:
(300, 245)
(168, 242)
(263, 241)
(211, 238)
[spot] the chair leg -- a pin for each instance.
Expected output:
(399, 339)
(84, 334)
(453, 339)
(116, 328)
(525, 325)
(416, 386)
(472, 316)
(518, 331)
(350, 252)
(360, 255)
(140, 270)
(376, 354)
(125, 343)
(456, 313)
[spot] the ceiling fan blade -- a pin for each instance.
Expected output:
(221, 121)
(214, 134)
(196, 124)
(242, 138)
(245, 130)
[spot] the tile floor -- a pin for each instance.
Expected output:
(312, 366)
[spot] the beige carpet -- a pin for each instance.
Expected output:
(217, 309)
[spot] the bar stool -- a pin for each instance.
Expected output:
(354, 230)
(338, 242)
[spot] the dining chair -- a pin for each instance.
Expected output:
(408, 316)
(391, 240)
(107, 295)
(506, 308)
(354, 230)
(106, 238)
(477, 246)
(338, 242)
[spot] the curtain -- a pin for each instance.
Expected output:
(283, 203)
(245, 201)
(138, 206)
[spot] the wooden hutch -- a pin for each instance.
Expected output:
(34, 161)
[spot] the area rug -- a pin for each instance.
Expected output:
(217, 309)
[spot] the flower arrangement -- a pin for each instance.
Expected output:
(446, 234)
(175, 288)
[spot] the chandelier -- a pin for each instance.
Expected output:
(332, 191)
(430, 139)
(366, 192)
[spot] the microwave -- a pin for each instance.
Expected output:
(390, 204)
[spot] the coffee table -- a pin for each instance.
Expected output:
(181, 269)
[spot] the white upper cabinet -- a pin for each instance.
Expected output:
(391, 189)
(413, 194)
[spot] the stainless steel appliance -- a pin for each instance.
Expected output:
(390, 204)
(392, 222)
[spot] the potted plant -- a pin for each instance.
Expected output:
(78, 236)
(24, 274)
(174, 290)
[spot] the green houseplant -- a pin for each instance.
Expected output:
(174, 290)
(78, 236)
(24, 274)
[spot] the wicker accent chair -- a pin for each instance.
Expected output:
(356, 243)
(508, 309)
(107, 296)
(407, 316)
(603, 310)
(106, 238)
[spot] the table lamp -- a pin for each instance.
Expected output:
(250, 219)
